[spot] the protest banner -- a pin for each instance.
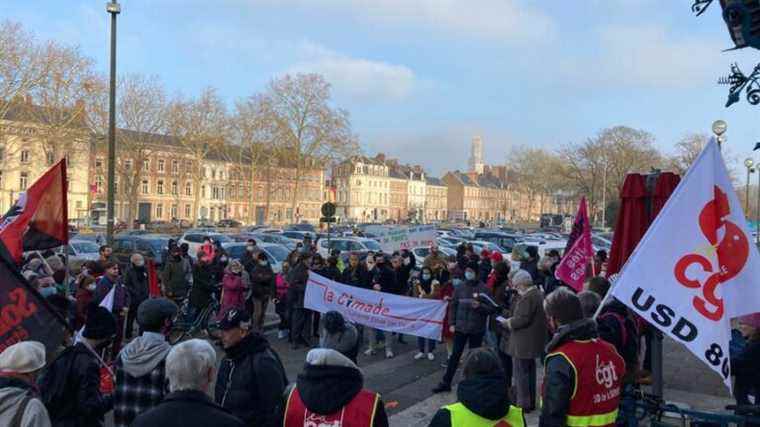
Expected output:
(695, 268)
(379, 310)
(578, 253)
(407, 238)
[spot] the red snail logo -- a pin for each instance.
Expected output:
(731, 248)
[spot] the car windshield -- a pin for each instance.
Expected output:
(221, 238)
(85, 247)
(372, 245)
(158, 244)
(235, 251)
(279, 253)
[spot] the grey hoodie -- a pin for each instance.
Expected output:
(35, 414)
(144, 353)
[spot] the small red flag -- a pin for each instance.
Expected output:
(572, 268)
(153, 290)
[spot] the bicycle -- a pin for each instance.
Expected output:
(204, 321)
(657, 413)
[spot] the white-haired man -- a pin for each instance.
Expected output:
(190, 368)
(19, 403)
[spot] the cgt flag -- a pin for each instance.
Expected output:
(24, 314)
(695, 268)
(39, 218)
(572, 268)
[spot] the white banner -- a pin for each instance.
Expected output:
(696, 267)
(407, 238)
(379, 310)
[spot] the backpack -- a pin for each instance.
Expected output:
(629, 336)
(53, 383)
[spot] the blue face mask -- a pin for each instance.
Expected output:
(46, 292)
(469, 275)
(456, 282)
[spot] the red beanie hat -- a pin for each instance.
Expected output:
(496, 257)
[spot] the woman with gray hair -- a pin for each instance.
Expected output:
(190, 368)
(527, 327)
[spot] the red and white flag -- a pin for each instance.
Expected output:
(579, 251)
(39, 218)
(695, 268)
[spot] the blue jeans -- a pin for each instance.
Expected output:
(423, 343)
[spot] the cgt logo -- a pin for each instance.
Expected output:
(605, 373)
(731, 247)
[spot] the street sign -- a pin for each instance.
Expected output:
(328, 209)
(328, 219)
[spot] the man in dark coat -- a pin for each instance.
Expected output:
(71, 386)
(262, 289)
(297, 278)
(355, 273)
(530, 264)
(136, 282)
(329, 383)
(190, 368)
(203, 286)
(251, 377)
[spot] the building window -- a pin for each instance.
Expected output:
(221, 174)
(161, 165)
(187, 211)
(160, 184)
(145, 186)
(99, 184)
(146, 164)
(50, 158)
(23, 181)
(24, 156)
(175, 167)
(174, 188)
(203, 191)
(174, 211)
(2, 152)
(213, 173)
(159, 211)
(188, 189)
(128, 164)
(79, 204)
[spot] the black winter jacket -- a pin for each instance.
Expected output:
(559, 380)
(203, 286)
(485, 396)
(71, 390)
(746, 368)
(251, 381)
(136, 282)
(465, 318)
(356, 277)
(187, 409)
(386, 278)
(262, 281)
(616, 326)
(297, 278)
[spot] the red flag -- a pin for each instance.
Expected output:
(39, 218)
(153, 290)
(572, 268)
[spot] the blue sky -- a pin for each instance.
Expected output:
(420, 77)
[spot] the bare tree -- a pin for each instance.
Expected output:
(536, 172)
(21, 68)
(311, 132)
(200, 125)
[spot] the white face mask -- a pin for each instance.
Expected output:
(407, 261)
(249, 248)
(139, 263)
(263, 263)
(90, 288)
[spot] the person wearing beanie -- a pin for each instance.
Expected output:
(339, 335)
(19, 403)
(468, 319)
(140, 366)
(530, 264)
(744, 365)
(482, 398)
(71, 386)
(331, 388)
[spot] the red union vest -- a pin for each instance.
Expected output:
(599, 371)
(359, 412)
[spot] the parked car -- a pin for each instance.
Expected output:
(229, 223)
(150, 246)
(504, 240)
(298, 236)
(421, 252)
(304, 226)
(276, 254)
(164, 227)
(479, 245)
(273, 238)
(80, 251)
(346, 244)
(194, 240)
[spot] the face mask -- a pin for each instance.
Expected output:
(469, 275)
(91, 288)
(263, 263)
(223, 259)
(139, 264)
(370, 264)
(407, 261)
(249, 248)
(46, 292)
(456, 282)
(425, 277)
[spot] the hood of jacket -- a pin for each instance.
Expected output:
(250, 344)
(485, 396)
(144, 353)
(583, 329)
(12, 392)
(329, 381)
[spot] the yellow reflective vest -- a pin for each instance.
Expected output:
(463, 417)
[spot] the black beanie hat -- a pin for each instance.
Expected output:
(100, 323)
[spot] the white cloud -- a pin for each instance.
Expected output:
(358, 78)
(645, 56)
(503, 20)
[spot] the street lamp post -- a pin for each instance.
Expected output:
(719, 127)
(114, 9)
(748, 163)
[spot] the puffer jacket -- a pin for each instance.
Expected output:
(79, 402)
(234, 288)
(251, 381)
(297, 278)
(465, 318)
(174, 278)
(485, 396)
(13, 392)
(262, 281)
(559, 377)
(328, 382)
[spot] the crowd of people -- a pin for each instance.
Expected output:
(513, 317)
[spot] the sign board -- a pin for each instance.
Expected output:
(407, 238)
(328, 209)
